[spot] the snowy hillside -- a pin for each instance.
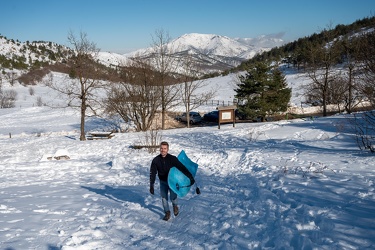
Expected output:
(296, 184)
(29, 52)
(111, 59)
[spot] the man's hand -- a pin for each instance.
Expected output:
(152, 190)
(192, 181)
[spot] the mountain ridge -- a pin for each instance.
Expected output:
(214, 52)
(217, 52)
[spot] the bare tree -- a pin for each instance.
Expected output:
(321, 61)
(337, 91)
(31, 91)
(165, 64)
(191, 95)
(7, 98)
(351, 49)
(11, 77)
(367, 56)
(137, 97)
(364, 124)
(39, 101)
(84, 86)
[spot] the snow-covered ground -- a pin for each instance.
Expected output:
(297, 184)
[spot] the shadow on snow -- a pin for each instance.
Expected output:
(125, 194)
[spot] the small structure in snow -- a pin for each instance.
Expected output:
(100, 135)
(61, 154)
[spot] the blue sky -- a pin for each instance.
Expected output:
(127, 25)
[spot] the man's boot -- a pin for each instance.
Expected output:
(175, 210)
(167, 216)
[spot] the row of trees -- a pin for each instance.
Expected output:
(138, 90)
(341, 71)
(338, 61)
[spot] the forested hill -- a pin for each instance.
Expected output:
(295, 52)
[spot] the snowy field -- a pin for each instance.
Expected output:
(297, 184)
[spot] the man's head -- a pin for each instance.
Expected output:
(164, 147)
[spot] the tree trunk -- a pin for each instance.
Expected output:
(83, 114)
(324, 103)
(163, 107)
(350, 91)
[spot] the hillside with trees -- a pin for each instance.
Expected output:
(295, 53)
(339, 63)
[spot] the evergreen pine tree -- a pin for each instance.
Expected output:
(263, 91)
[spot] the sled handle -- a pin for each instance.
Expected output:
(197, 190)
(178, 186)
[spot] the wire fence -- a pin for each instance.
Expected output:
(220, 103)
(206, 106)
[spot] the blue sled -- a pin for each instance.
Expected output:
(179, 182)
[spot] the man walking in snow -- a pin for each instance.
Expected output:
(161, 165)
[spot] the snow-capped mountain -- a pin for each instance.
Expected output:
(216, 52)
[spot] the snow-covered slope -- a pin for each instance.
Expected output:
(112, 59)
(280, 185)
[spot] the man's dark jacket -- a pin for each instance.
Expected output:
(161, 165)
